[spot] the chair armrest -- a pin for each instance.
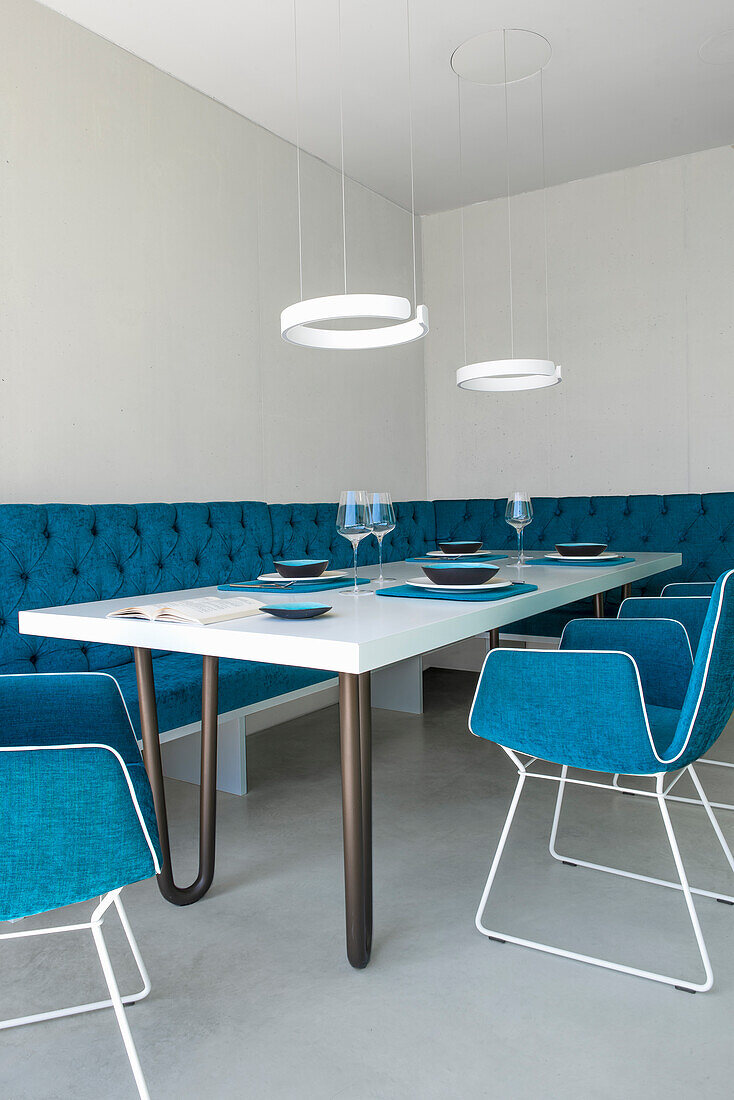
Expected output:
(578, 708)
(689, 610)
(659, 647)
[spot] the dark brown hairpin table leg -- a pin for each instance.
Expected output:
(494, 638)
(599, 605)
(356, 767)
(626, 591)
(182, 895)
(365, 744)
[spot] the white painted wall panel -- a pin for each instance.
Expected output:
(641, 277)
(147, 245)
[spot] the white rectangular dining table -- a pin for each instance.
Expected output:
(360, 635)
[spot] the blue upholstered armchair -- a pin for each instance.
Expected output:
(620, 696)
(78, 818)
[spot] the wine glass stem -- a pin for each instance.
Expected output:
(520, 557)
(379, 544)
(355, 545)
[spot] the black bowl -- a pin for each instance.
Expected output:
(297, 610)
(580, 549)
(301, 567)
(460, 573)
(460, 547)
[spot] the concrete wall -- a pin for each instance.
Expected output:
(148, 241)
(641, 280)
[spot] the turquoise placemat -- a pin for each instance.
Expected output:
(578, 564)
(408, 592)
(299, 586)
(462, 557)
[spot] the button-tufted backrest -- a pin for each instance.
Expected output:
(701, 528)
(309, 531)
(69, 553)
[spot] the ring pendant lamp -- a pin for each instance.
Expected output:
(302, 323)
(484, 60)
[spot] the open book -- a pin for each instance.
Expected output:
(203, 610)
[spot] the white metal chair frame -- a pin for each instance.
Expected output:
(116, 1000)
(658, 794)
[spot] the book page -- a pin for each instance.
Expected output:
(208, 609)
(138, 611)
(200, 609)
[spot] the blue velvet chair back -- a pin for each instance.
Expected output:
(709, 700)
(691, 611)
(686, 589)
(77, 821)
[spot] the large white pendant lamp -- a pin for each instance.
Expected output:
(499, 58)
(303, 322)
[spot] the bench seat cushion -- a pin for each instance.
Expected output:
(241, 683)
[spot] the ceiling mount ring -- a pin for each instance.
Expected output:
(300, 323)
(503, 55)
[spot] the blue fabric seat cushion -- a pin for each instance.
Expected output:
(70, 830)
(663, 723)
(70, 827)
(241, 683)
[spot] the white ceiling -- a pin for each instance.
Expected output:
(625, 84)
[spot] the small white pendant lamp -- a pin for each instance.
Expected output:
(301, 323)
(484, 60)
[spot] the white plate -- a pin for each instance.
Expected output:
(474, 554)
(328, 575)
(605, 556)
(423, 582)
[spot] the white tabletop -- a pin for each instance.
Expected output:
(360, 634)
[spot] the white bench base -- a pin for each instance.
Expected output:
(398, 687)
(181, 748)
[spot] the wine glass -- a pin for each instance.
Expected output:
(383, 521)
(354, 522)
(519, 513)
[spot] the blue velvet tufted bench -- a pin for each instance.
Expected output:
(699, 527)
(65, 553)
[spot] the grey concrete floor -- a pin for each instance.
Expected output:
(252, 996)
